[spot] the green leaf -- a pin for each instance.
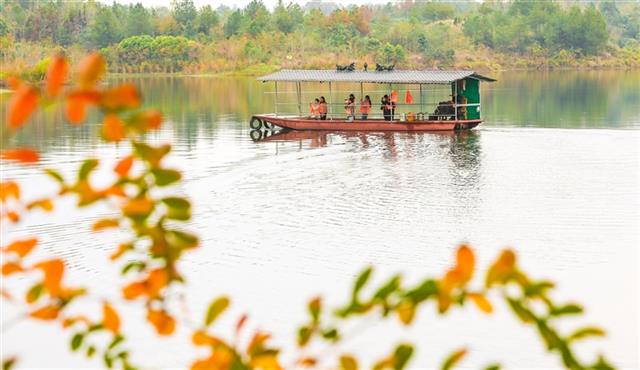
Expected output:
(151, 154)
(165, 177)
(538, 288)
(423, 291)
(116, 340)
(453, 359)
(91, 350)
(401, 356)
(388, 288)
(85, 169)
(137, 265)
(361, 281)
(493, 367)
(570, 309)
(76, 341)
(108, 361)
(178, 208)
(8, 363)
(34, 293)
(602, 364)
(217, 307)
(181, 239)
(304, 334)
(55, 175)
(331, 334)
(523, 313)
(586, 332)
(549, 336)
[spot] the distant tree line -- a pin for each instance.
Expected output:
(138, 38)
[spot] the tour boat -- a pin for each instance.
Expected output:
(447, 100)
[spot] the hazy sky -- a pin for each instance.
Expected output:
(241, 3)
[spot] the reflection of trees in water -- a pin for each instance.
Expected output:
(465, 153)
(563, 98)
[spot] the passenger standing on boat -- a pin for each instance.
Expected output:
(350, 107)
(385, 105)
(365, 107)
(322, 109)
(315, 108)
(394, 102)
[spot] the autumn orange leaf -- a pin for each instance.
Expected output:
(257, 342)
(502, 267)
(113, 128)
(91, 69)
(22, 105)
(162, 322)
(69, 321)
(13, 216)
(200, 338)
(13, 82)
(22, 247)
(44, 204)
(125, 96)
(465, 262)
(110, 318)
(53, 271)
(138, 207)
(56, 75)
(122, 248)
(46, 313)
(134, 290)
(76, 109)
(124, 166)
(9, 189)
(156, 281)
(481, 302)
(11, 268)
(22, 155)
(105, 223)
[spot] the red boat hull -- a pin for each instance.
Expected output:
(304, 123)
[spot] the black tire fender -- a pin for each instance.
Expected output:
(255, 123)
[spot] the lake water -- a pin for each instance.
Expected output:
(553, 172)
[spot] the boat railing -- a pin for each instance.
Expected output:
(425, 111)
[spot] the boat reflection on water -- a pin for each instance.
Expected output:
(464, 146)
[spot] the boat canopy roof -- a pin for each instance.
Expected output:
(395, 76)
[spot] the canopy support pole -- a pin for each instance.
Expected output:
(276, 102)
(361, 92)
(330, 108)
(299, 93)
(421, 107)
(455, 100)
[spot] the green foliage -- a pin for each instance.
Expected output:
(234, 23)
(172, 52)
(543, 23)
(138, 22)
(390, 54)
(104, 30)
(4, 28)
(185, 13)
(207, 19)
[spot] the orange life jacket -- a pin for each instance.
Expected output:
(322, 109)
(365, 107)
(394, 96)
(315, 108)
